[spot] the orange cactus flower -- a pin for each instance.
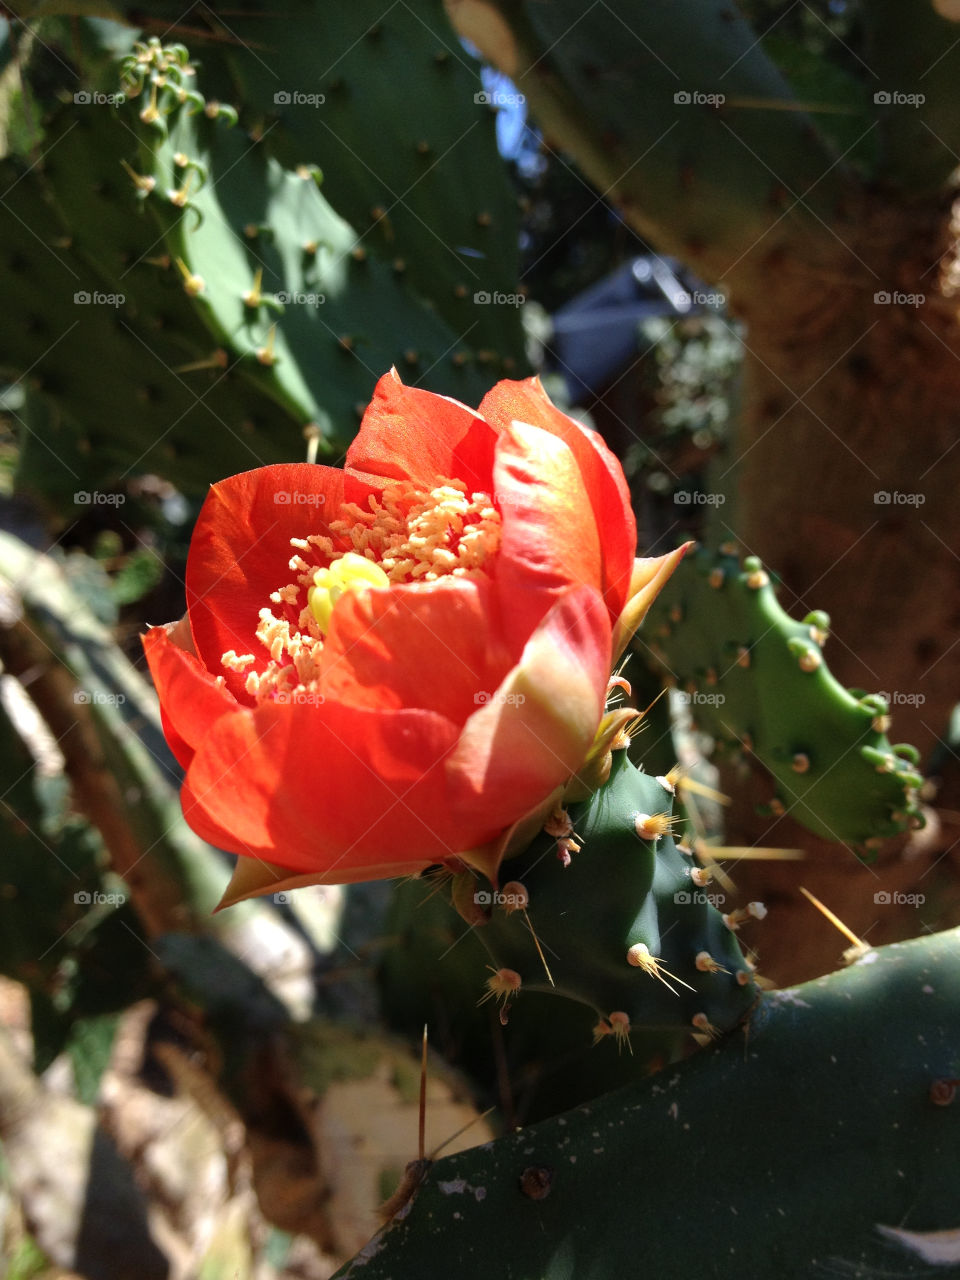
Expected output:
(402, 662)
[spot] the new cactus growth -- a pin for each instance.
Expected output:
(607, 960)
(756, 681)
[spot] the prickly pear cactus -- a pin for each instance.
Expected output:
(240, 311)
(757, 682)
(817, 1095)
(605, 950)
(390, 105)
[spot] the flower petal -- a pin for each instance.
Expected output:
(190, 698)
(536, 729)
(650, 576)
(332, 790)
(431, 645)
(602, 475)
(253, 877)
(410, 434)
(550, 536)
(241, 550)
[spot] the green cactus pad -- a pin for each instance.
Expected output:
(756, 681)
(835, 1109)
(129, 371)
(620, 890)
(385, 102)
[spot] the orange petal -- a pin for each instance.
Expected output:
(411, 434)
(190, 698)
(601, 471)
(333, 790)
(550, 536)
(537, 727)
(241, 550)
(431, 645)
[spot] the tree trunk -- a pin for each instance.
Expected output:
(848, 462)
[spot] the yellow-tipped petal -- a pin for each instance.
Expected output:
(252, 879)
(650, 575)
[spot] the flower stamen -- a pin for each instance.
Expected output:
(407, 535)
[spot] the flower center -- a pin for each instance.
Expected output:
(408, 535)
(350, 573)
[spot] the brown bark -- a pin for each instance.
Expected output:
(847, 398)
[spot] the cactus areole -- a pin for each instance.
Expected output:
(405, 661)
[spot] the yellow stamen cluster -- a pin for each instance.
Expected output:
(418, 536)
(407, 535)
